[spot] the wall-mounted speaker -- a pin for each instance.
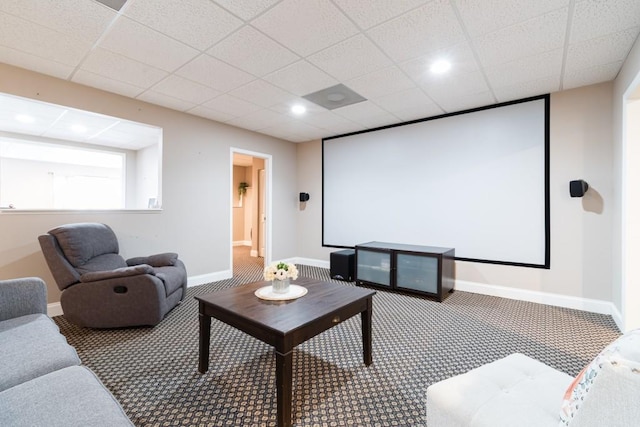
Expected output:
(578, 188)
(304, 197)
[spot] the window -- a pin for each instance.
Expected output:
(53, 157)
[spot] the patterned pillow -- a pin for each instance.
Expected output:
(625, 347)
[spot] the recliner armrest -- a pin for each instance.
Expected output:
(135, 270)
(165, 259)
(19, 297)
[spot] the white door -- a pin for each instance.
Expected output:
(262, 217)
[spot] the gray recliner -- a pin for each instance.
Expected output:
(102, 290)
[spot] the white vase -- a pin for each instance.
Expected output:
(280, 286)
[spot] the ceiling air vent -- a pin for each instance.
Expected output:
(113, 4)
(334, 97)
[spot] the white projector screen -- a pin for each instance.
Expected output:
(476, 181)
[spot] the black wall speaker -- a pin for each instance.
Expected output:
(304, 197)
(578, 188)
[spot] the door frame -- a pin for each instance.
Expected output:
(267, 200)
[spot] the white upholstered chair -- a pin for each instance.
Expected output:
(521, 391)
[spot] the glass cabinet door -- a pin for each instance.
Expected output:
(417, 272)
(374, 267)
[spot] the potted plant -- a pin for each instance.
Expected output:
(242, 188)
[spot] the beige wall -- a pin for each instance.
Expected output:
(196, 216)
(580, 228)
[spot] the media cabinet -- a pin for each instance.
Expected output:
(423, 270)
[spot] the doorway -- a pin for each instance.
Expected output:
(250, 207)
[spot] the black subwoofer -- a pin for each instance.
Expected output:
(342, 264)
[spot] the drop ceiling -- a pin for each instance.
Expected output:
(246, 63)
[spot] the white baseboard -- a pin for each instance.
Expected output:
(208, 278)
(577, 303)
(54, 309)
(253, 253)
(308, 261)
(242, 243)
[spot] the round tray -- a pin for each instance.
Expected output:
(266, 293)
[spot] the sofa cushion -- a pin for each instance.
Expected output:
(84, 241)
(172, 277)
(135, 270)
(166, 259)
(516, 390)
(104, 262)
(620, 352)
(70, 397)
(32, 346)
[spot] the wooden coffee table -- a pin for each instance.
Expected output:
(285, 324)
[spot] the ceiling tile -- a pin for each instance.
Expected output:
(301, 78)
(135, 41)
(325, 119)
(253, 52)
(460, 56)
(39, 41)
(214, 73)
(305, 26)
(482, 17)
(185, 90)
(382, 82)
(531, 68)
(455, 85)
(189, 21)
(43, 113)
(595, 18)
(589, 76)
(94, 123)
(164, 100)
(83, 20)
(537, 35)
(529, 88)
(210, 114)
(602, 50)
(259, 120)
(367, 13)
(350, 58)
(262, 93)
(118, 67)
(31, 62)
(129, 135)
(404, 100)
(246, 9)
(88, 78)
(231, 105)
(418, 112)
(285, 108)
(467, 102)
(430, 27)
(367, 114)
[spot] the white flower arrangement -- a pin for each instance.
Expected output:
(280, 271)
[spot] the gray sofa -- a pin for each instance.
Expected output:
(42, 380)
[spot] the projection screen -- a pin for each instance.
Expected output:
(476, 181)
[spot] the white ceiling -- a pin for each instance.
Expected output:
(246, 62)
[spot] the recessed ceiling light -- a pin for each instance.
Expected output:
(298, 109)
(441, 66)
(78, 128)
(24, 118)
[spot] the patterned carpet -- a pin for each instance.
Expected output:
(416, 342)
